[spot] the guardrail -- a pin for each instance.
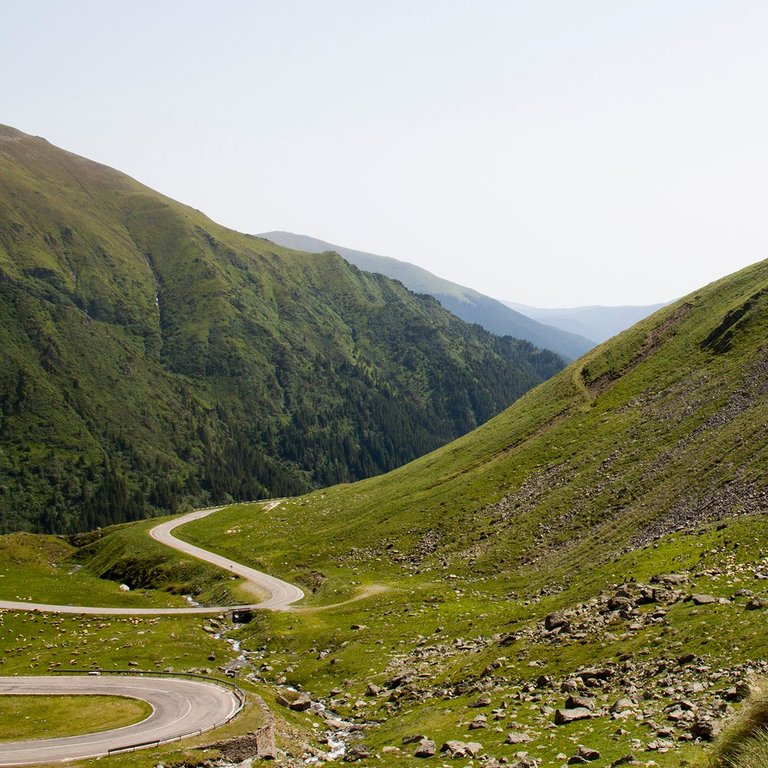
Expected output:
(236, 689)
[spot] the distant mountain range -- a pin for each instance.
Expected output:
(466, 303)
(596, 322)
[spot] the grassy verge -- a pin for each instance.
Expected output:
(90, 569)
(744, 741)
(49, 717)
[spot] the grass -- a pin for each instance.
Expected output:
(744, 742)
(49, 717)
(49, 569)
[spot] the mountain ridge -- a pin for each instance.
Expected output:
(468, 304)
(154, 358)
(598, 322)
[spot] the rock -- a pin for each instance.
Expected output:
(588, 754)
(756, 603)
(625, 760)
(574, 702)
(517, 737)
(124, 588)
(473, 748)
(620, 604)
(595, 673)
(555, 621)
(563, 716)
(462, 748)
(298, 702)
(481, 721)
(703, 599)
(301, 703)
(266, 749)
(398, 680)
(661, 745)
(622, 705)
(413, 738)
(672, 579)
(372, 689)
(358, 752)
(426, 748)
(704, 728)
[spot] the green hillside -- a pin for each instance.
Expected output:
(604, 539)
(466, 303)
(153, 359)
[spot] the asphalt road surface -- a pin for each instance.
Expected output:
(281, 593)
(180, 708)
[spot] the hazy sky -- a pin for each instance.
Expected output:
(550, 152)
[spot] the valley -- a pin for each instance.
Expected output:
(581, 580)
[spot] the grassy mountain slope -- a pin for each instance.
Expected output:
(152, 358)
(647, 457)
(603, 539)
(469, 305)
(661, 427)
(594, 322)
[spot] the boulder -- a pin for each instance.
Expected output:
(426, 748)
(555, 621)
(563, 716)
(517, 737)
(588, 753)
(671, 579)
(462, 748)
(703, 599)
(355, 753)
(301, 703)
(575, 702)
(622, 705)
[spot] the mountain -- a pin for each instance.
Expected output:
(469, 305)
(595, 322)
(153, 359)
(581, 578)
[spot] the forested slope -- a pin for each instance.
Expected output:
(154, 359)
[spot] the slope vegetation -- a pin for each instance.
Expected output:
(153, 359)
(466, 303)
(582, 578)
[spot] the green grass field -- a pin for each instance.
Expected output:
(49, 717)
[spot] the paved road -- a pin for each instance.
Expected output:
(281, 593)
(180, 708)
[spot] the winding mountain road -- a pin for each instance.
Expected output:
(180, 707)
(281, 593)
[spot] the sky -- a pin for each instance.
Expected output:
(550, 152)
